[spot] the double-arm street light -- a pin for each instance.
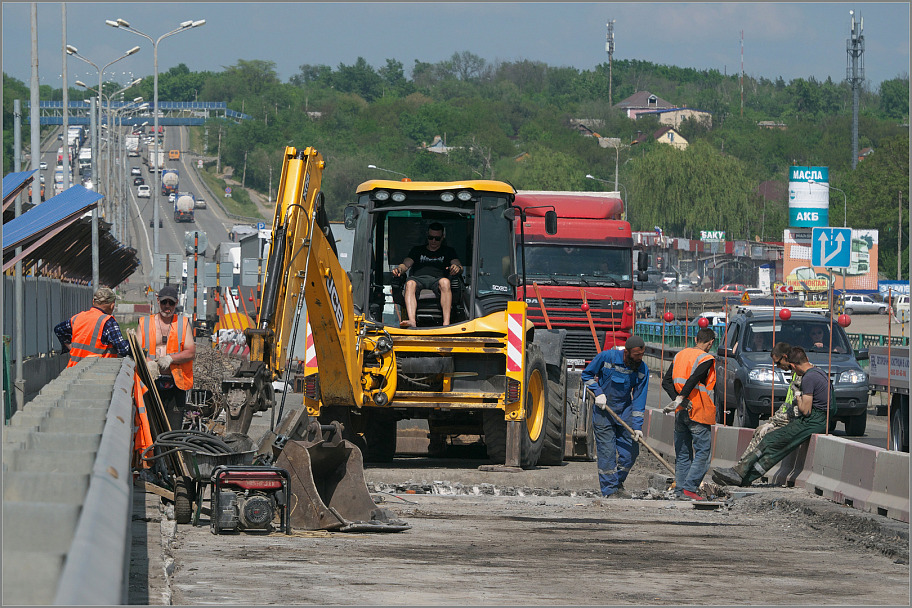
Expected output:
(616, 184)
(404, 176)
(71, 50)
(845, 201)
(156, 182)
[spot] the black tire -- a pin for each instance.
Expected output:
(183, 500)
(555, 431)
(855, 425)
(849, 311)
(380, 436)
(832, 426)
(899, 429)
(744, 417)
(494, 425)
(882, 311)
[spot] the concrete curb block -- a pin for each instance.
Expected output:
(728, 444)
(826, 467)
(890, 487)
(98, 562)
(787, 472)
(857, 482)
(661, 433)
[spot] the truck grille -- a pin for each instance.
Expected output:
(605, 313)
(579, 345)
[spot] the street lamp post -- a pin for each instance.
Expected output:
(120, 177)
(71, 50)
(404, 176)
(184, 26)
(616, 184)
(845, 201)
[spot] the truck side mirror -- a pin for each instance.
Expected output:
(350, 217)
(862, 354)
(509, 214)
(551, 222)
(514, 280)
(643, 262)
(642, 277)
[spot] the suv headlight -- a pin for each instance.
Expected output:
(853, 376)
(765, 374)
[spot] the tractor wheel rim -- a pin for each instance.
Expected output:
(535, 405)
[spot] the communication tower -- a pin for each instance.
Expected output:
(855, 75)
(609, 48)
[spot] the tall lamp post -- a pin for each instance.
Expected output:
(120, 156)
(71, 50)
(156, 187)
(404, 176)
(616, 184)
(845, 201)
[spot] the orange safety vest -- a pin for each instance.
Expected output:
(182, 372)
(143, 437)
(703, 410)
(86, 341)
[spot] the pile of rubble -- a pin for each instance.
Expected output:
(210, 367)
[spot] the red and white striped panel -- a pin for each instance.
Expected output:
(310, 353)
(514, 342)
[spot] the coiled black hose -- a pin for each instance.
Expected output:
(188, 440)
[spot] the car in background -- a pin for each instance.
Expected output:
(200, 203)
(144, 191)
(901, 308)
(745, 372)
(88, 184)
(43, 165)
(138, 181)
(732, 288)
(41, 178)
(172, 197)
(135, 171)
(756, 292)
(152, 222)
(862, 304)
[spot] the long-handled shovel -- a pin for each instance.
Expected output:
(641, 440)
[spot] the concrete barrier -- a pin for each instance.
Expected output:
(857, 480)
(660, 431)
(729, 443)
(825, 471)
(787, 472)
(890, 486)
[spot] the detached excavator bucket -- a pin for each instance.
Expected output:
(327, 486)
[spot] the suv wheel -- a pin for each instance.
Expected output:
(849, 311)
(744, 417)
(882, 310)
(855, 425)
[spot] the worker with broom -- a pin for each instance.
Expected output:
(619, 379)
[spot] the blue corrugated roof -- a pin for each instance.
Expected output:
(73, 201)
(11, 181)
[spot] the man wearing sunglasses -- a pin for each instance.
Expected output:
(432, 264)
(168, 342)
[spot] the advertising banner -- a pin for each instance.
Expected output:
(798, 271)
(809, 196)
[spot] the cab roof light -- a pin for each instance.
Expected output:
(464, 195)
(398, 196)
(381, 195)
(447, 197)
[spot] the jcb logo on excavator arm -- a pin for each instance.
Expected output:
(334, 300)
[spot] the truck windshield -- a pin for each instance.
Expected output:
(566, 263)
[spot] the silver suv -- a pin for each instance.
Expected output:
(860, 303)
(751, 382)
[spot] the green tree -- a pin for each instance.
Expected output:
(894, 98)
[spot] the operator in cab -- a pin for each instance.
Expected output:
(432, 264)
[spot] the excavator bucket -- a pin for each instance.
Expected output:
(327, 486)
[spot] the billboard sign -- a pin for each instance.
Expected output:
(809, 196)
(802, 274)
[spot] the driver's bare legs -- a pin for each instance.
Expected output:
(446, 299)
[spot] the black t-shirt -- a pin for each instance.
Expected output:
(816, 384)
(431, 263)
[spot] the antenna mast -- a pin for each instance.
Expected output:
(855, 75)
(609, 48)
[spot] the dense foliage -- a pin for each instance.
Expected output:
(511, 121)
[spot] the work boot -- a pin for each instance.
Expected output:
(726, 477)
(619, 493)
(688, 495)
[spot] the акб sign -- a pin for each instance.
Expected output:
(809, 196)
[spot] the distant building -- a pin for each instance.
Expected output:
(643, 101)
(438, 146)
(673, 117)
(665, 135)
(864, 153)
(772, 124)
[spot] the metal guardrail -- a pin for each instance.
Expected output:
(67, 489)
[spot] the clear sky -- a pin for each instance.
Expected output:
(792, 40)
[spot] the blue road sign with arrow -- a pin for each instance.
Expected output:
(831, 247)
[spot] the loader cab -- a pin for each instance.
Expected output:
(390, 218)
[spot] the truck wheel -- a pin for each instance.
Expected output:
(183, 502)
(533, 437)
(899, 426)
(855, 425)
(744, 417)
(553, 449)
(849, 311)
(380, 436)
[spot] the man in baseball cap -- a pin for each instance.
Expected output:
(79, 336)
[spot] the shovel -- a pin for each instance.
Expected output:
(643, 441)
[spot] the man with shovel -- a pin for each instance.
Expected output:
(620, 381)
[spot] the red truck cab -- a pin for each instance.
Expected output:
(591, 255)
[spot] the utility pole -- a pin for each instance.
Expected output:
(19, 288)
(609, 48)
(855, 76)
(742, 73)
(66, 102)
(899, 239)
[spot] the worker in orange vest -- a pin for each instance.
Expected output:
(690, 382)
(167, 339)
(94, 332)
